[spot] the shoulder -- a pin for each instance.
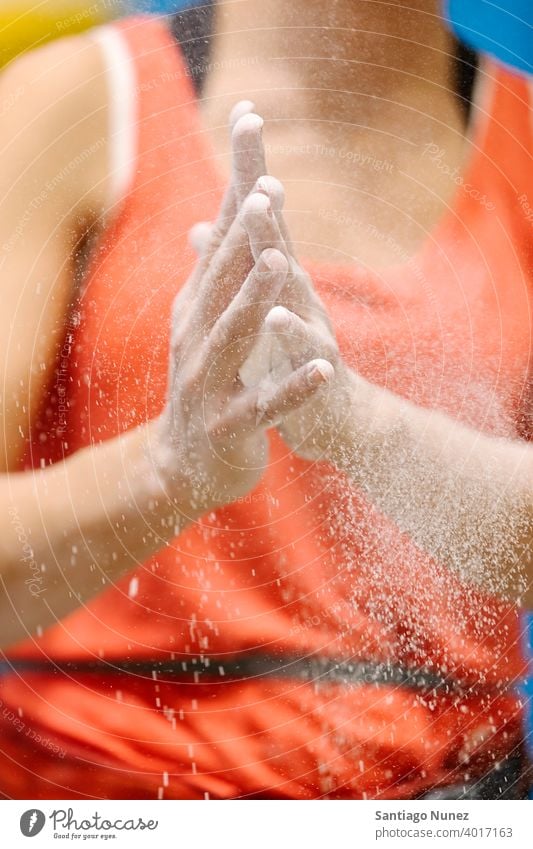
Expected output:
(56, 82)
(54, 106)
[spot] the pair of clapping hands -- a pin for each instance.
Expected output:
(251, 344)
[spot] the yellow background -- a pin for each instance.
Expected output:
(28, 23)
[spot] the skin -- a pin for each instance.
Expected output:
(385, 96)
(118, 503)
(464, 497)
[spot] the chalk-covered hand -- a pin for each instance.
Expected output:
(211, 436)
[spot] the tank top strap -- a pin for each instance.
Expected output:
(147, 74)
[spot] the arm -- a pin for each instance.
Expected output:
(53, 187)
(69, 530)
(464, 497)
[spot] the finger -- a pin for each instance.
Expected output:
(246, 159)
(274, 187)
(200, 237)
(201, 234)
(275, 191)
(248, 154)
(264, 409)
(265, 232)
(235, 333)
(254, 230)
(300, 339)
(243, 107)
(248, 163)
(249, 129)
(300, 293)
(258, 216)
(229, 266)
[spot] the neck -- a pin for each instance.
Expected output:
(353, 92)
(336, 56)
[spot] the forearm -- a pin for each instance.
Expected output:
(71, 530)
(464, 497)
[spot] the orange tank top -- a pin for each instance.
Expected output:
(303, 569)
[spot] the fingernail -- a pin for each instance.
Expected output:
(248, 122)
(273, 260)
(243, 107)
(318, 374)
(273, 189)
(254, 206)
(264, 263)
(278, 320)
(199, 234)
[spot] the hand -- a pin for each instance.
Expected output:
(211, 436)
(297, 330)
(299, 327)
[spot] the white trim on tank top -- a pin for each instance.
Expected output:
(121, 82)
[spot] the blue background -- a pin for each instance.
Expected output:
(503, 28)
(527, 687)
